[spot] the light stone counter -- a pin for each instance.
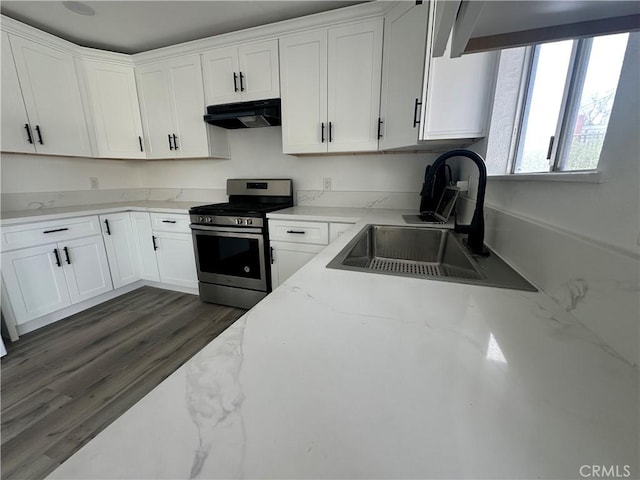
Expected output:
(341, 374)
(34, 215)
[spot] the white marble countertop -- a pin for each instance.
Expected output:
(33, 215)
(341, 374)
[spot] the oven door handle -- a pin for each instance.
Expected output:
(249, 230)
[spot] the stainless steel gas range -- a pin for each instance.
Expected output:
(231, 241)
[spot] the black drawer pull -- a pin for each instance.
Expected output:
(55, 252)
(29, 138)
(300, 232)
(66, 254)
(153, 239)
(416, 121)
(39, 135)
(106, 224)
(168, 221)
(56, 230)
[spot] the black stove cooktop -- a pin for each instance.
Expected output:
(238, 208)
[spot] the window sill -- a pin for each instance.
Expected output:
(580, 177)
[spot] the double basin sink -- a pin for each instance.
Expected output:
(425, 253)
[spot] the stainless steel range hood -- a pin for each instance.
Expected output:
(259, 113)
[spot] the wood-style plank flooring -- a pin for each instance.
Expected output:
(64, 383)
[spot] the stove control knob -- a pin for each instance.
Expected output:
(201, 219)
(238, 221)
(209, 219)
(249, 221)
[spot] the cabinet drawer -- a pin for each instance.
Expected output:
(39, 233)
(170, 222)
(299, 232)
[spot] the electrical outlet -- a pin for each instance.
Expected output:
(93, 181)
(326, 184)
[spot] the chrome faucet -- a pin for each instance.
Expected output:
(475, 230)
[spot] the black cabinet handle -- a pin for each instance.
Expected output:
(140, 140)
(55, 252)
(235, 82)
(39, 135)
(300, 232)
(241, 83)
(170, 144)
(168, 221)
(106, 224)
(380, 122)
(272, 259)
(322, 133)
(56, 230)
(66, 254)
(175, 142)
(416, 120)
(330, 136)
(29, 138)
(153, 239)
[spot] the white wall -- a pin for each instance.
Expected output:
(38, 173)
(258, 153)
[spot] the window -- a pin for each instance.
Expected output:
(567, 98)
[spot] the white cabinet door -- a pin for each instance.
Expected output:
(288, 258)
(120, 243)
(35, 283)
(187, 100)
(114, 105)
(85, 267)
(176, 259)
(221, 76)
(155, 106)
(52, 98)
(303, 73)
(354, 69)
(405, 36)
(260, 75)
(145, 251)
(15, 132)
(459, 95)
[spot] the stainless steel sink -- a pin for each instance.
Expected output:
(424, 253)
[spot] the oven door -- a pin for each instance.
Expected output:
(230, 256)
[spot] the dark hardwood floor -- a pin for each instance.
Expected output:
(63, 384)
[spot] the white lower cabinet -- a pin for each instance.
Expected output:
(294, 242)
(288, 258)
(144, 245)
(176, 259)
(43, 279)
(120, 243)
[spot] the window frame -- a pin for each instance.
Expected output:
(559, 143)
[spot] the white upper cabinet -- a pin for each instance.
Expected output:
(16, 132)
(405, 36)
(172, 105)
(303, 72)
(458, 96)
(331, 89)
(241, 74)
(115, 111)
(52, 98)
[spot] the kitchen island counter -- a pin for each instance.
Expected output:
(342, 374)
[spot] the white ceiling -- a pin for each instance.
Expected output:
(138, 26)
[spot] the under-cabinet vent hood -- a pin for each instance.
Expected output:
(259, 113)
